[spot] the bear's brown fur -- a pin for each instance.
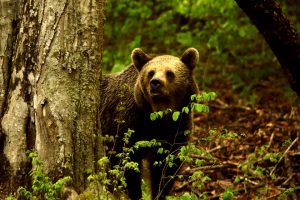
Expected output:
(148, 85)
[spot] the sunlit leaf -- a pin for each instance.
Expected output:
(175, 115)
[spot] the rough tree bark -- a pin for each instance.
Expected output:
(50, 54)
(282, 38)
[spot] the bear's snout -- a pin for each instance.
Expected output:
(155, 83)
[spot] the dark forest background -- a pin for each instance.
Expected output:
(231, 48)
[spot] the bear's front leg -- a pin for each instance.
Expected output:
(162, 179)
(133, 181)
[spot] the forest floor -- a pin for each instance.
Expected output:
(255, 148)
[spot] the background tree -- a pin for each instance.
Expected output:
(49, 87)
(283, 39)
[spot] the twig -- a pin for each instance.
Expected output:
(252, 182)
(282, 190)
(209, 167)
(216, 148)
(286, 151)
(271, 139)
(183, 185)
(288, 179)
(294, 153)
(200, 157)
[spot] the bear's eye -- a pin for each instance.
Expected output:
(151, 74)
(170, 75)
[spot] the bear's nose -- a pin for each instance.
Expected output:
(155, 83)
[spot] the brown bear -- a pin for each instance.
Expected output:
(149, 84)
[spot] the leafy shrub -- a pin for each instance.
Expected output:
(42, 187)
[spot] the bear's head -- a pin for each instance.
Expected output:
(164, 81)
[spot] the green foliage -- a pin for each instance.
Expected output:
(237, 180)
(287, 143)
(198, 179)
(159, 114)
(200, 108)
(190, 153)
(204, 97)
(251, 164)
(10, 198)
(185, 196)
(194, 106)
(109, 176)
(286, 194)
(146, 193)
(143, 144)
(175, 115)
(42, 186)
(219, 27)
(196, 99)
(186, 154)
(227, 195)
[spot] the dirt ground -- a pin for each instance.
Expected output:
(268, 127)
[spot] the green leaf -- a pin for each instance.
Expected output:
(227, 195)
(199, 162)
(186, 196)
(193, 97)
(175, 115)
(160, 114)
(153, 116)
(200, 108)
(160, 151)
(186, 110)
(197, 107)
(237, 179)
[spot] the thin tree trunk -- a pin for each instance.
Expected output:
(284, 41)
(50, 86)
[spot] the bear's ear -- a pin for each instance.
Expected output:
(190, 58)
(139, 58)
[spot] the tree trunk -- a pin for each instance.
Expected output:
(49, 87)
(284, 41)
